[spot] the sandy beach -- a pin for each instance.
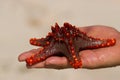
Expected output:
(22, 19)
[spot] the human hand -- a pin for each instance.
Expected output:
(91, 59)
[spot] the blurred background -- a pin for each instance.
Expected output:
(23, 19)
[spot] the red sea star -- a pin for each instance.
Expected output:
(68, 41)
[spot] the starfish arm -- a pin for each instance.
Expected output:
(56, 49)
(93, 43)
(41, 56)
(102, 43)
(40, 42)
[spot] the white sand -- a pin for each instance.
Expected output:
(22, 19)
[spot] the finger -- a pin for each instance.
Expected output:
(53, 63)
(24, 55)
(57, 63)
(85, 28)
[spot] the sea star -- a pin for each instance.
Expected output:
(67, 41)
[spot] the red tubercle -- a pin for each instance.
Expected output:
(33, 41)
(109, 42)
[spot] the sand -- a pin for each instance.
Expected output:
(23, 19)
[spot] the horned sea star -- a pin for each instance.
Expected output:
(68, 41)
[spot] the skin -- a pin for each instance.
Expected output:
(91, 59)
